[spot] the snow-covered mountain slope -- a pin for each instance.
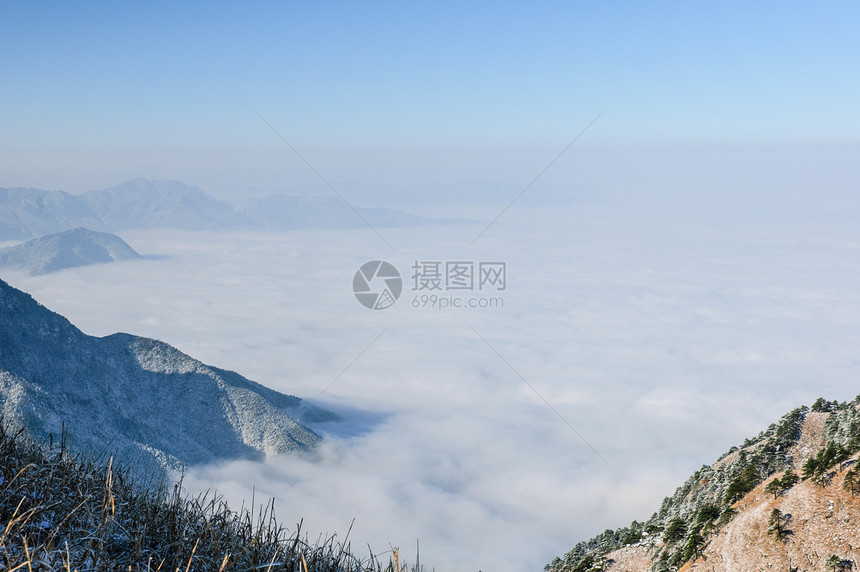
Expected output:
(137, 398)
(77, 247)
(25, 213)
(786, 499)
(141, 203)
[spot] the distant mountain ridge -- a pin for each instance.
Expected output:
(25, 213)
(139, 398)
(69, 249)
(142, 203)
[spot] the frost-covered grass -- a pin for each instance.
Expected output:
(60, 511)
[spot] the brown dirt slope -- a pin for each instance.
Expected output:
(822, 520)
(823, 523)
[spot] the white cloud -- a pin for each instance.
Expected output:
(661, 340)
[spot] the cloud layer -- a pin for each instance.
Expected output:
(661, 340)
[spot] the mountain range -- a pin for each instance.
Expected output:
(137, 398)
(142, 203)
(787, 499)
(25, 213)
(77, 247)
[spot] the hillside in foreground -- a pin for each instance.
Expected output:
(788, 499)
(64, 512)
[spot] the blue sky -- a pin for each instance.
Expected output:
(90, 86)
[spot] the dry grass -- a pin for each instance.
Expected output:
(64, 512)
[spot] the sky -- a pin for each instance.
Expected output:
(97, 93)
(680, 276)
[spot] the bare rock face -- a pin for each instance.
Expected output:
(136, 398)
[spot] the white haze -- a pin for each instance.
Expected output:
(662, 332)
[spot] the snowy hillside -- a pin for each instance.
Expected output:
(141, 203)
(780, 501)
(78, 247)
(139, 398)
(25, 213)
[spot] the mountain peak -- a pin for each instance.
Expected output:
(144, 203)
(141, 398)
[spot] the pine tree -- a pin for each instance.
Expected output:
(774, 487)
(675, 531)
(810, 468)
(788, 480)
(834, 563)
(777, 526)
(692, 549)
(851, 481)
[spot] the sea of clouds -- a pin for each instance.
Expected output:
(639, 339)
